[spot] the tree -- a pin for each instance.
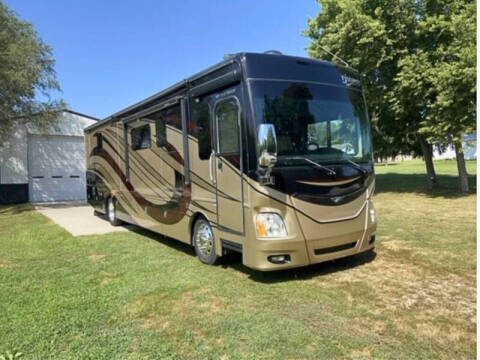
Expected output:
(398, 45)
(441, 71)
(26, 75)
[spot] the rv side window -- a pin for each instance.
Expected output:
(173, 116)
(141, 137)
(201, 128)
(160, 130)
(226, 116)
(99, 141)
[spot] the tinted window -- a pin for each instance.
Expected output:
(226, 116)
(99, 141)
(141, 137)
(173, 116)
(314, 121)
(160, 130)
(201, 128)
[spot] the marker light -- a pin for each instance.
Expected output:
(270, 225)
(373, 212)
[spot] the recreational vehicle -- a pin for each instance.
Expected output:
(263, 154)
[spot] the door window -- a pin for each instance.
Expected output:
(226, 117)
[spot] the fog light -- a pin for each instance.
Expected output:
(372, 240)
(279, 259)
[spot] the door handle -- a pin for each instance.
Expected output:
(220, 164)
(210, 170)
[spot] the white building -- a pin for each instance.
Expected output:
(469, 145)
(39, 166)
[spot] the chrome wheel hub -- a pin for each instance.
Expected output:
(204, 239)
(111, 210)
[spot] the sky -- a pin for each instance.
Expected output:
(112, 54)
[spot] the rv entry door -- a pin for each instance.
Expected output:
(228, 165)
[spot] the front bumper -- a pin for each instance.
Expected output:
(316, 243)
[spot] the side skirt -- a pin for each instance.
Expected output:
(233, 246)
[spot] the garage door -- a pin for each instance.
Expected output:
(56, 168)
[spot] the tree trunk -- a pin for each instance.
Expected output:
(427, 150)
(462, 169)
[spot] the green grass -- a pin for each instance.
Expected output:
(136, 295)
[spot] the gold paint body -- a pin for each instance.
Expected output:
(152, 174)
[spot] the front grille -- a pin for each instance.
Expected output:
(335, 248)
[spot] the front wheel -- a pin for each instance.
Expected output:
(204, 242)
(112, 212)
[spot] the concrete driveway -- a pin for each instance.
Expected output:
(77, 218)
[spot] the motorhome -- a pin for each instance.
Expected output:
(263, 154)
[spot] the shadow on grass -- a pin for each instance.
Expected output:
(170, 242)
(14, 209)
(302, 273)
(417, 183)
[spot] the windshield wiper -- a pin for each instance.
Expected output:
(355, 165)
(324, 168)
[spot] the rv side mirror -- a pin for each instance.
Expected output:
(267, 152)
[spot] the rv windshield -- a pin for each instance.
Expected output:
(321, 123)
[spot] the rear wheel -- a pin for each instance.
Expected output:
(204, 242)
(112, 212)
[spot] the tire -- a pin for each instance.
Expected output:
(112, 212)
(204, 242)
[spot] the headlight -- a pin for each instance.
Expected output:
(270, 225)
(373, 212)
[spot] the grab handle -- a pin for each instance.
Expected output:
(210, 163)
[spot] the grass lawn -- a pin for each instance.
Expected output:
(136, 295)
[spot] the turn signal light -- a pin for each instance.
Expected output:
(261, 231)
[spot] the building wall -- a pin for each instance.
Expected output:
(71, 124)
(469, 145)
(13, 159)
(14, 177)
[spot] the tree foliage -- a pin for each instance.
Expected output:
(418, 59)
(27, 75)
(440, 73)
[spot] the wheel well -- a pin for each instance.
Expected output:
(193, 220)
